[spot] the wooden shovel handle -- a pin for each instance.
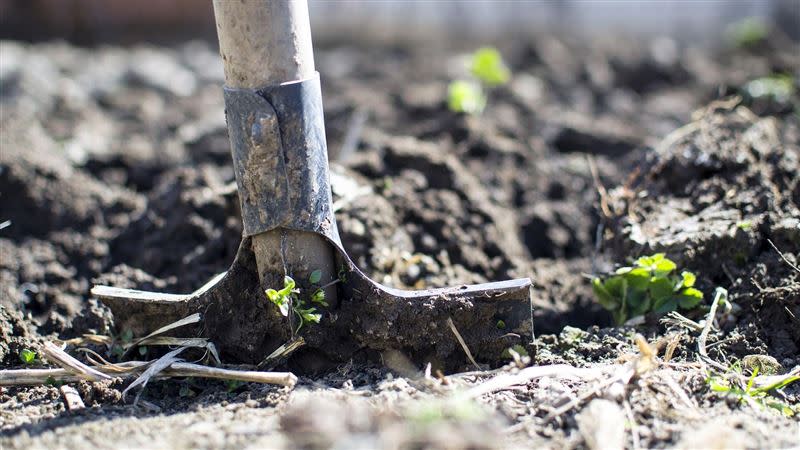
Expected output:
(264, 42)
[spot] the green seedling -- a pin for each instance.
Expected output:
(650, 285)
(465, 97)
(745, 225)
(27, 356)
(748, 32)
(751, 394)
(487, 65)
(488, 71)
(778, 87)
(288, 299)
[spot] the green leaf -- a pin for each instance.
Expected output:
(465, 97)
(688, 279)
(487, 65)
(310, 315)
(639, 303)
(605, 298)
(27, 356)
(664, 267)
(638, 279)
(689, 298)
(665, 305)
(315, 276)
(318, 297)
(660, 288)
(648, 262)
(273, 296)
(288, 286)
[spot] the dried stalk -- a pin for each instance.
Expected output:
(461, 341)
(61, 358)
(23, 377)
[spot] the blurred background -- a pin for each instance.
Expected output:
(119, 21)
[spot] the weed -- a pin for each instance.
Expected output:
(732, 384)
(748, 32)
(648, 286)
(27, 356)
(487, 66)
(488, 70)
(288, 299)
(465, 97)
(744, 225)
(778, 87)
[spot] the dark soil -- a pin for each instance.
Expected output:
(115, 169)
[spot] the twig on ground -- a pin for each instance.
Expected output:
(33, 377)
(281, 353)
(672, 345)
(623, 375)
(598, 185)
(194, 318)
(463, 344)
(184, 342)
(783, 257)
(152, 369)
(701, 341)
(61, 358)
(506, 381)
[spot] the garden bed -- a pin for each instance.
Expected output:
(115, 168)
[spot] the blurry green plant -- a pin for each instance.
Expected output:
(488, 69)
(465, 97)
(747, 32)
(650, 285)
(487, 65)
(778, 87)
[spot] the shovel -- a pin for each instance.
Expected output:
(275, 123)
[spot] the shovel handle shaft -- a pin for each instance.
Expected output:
(264, 42)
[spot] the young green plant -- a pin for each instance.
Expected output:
(288, 299)
(731, 384)
(27, 356)
(487, 71)
(650, 285)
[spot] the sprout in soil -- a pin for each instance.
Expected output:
(487, 70)
(27, 356)
(649, 286)
(746, 390)
(288, 298)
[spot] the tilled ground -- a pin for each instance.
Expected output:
(115, 168)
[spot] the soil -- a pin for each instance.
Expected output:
(115, 169)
